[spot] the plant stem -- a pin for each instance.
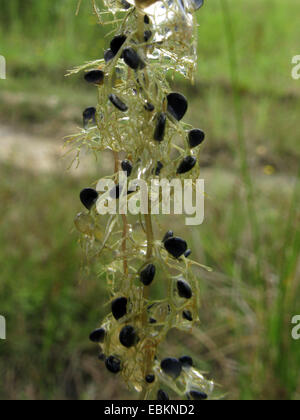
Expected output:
(148, 358)
(124, 245)
(287, 268)
(140, 24)
(245, 170)
(125, 224)
(150, 237)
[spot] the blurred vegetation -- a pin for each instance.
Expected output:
(248, 104)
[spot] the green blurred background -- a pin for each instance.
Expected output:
(248, 104)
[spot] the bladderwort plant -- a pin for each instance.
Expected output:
(139, 119)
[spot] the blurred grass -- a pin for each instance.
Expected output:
(51, 305)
